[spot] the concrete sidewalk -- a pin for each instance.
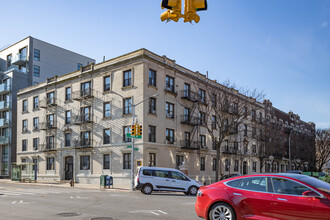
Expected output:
(62, 184)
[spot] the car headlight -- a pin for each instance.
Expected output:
(199, 193)
(200, 183)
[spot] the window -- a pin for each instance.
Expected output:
(86, 114)
(178, 176)
(126, 161)
(50, 120)
(36, 54)
(202, 97)
(225, 125)
(235, 108)
(214, 122)
(214, 164)
(214, 100)
(35, 123)
(24, 125)
(106, 110)
(84, 162)
(246, 148)
(169, 136)
(186, 90)
(169, 84)
(245, 130)
(152, 77)
(106, 136)
(254, 184)
(152, 159)
(67, 117)
(85, 138)
(36, 71)
(50, 142)
(106, 161)
(178, 161)
(169, 110)
(226, 146)
(253, 115)
(245, 111)
(162, 173)
(24, 145)
(285, 186)
(187, 139)
(79, 66)
(227, 165)
(235, 165)
(85, 89)
(254, 166)
(50, 163)
(202, 161)
(50, 98)
(25, 105)
(35, 102)
(67, 93)
(106, 83)
(254, 132)
(126, 130)
(67, 139)
(9, 58)
(202, 141)
(127, 108)
(22, 53)
(35, 143)
(254, 149)
(127, 78)
(186, 115)
(235, 146)
(202, 118)
(152, 105)
(152, 133)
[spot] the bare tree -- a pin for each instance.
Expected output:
(228, 109)
(322, 141)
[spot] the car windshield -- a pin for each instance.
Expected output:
(319, 184)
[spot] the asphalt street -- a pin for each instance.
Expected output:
(46, 202)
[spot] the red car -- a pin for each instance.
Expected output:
(265, 196)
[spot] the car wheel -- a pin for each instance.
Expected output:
(193, 190)
(222, 211)
(146, 189)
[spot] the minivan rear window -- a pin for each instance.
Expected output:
(147, 172)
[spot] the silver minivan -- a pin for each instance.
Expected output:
(150, 179)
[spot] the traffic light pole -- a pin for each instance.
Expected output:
(132, 154)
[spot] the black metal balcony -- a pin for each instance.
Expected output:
(189, 95)
(189, 120)
(47, 147)
(48, 102)
(83, 94)
(187, 144)
(83, 143)
(47, 125)
(82, 119)
(229, 150)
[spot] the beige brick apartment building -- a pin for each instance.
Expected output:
(74, 126)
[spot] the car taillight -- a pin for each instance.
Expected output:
(138, 177)
(199, 193)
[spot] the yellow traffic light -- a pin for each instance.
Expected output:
(133, 129)
(190, 9)
(139, 130)
(173, 12)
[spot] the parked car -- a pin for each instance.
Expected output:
(295, 171)
(230, 176)
(150, 179)
(265, 196)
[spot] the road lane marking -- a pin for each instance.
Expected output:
(154, 212)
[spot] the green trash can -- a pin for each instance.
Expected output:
(103, 180)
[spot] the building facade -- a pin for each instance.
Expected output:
(26, 63)
(78, 129)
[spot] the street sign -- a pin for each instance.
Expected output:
(129, 135)
(135, 148)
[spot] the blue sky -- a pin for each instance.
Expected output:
(279, 47)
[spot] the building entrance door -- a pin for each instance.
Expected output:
(244, 168)
(68, 168)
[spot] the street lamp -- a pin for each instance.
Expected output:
(133, 140)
